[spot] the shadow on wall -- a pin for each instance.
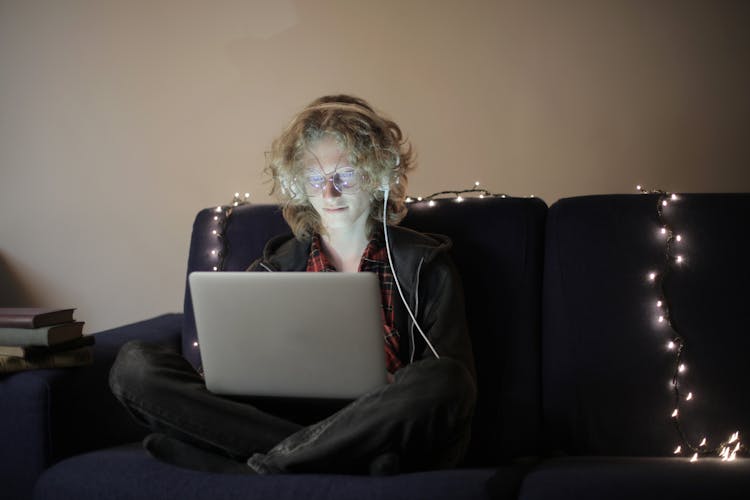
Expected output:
(13, 292)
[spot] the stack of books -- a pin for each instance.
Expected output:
(33, 338)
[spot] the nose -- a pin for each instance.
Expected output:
(329, 190)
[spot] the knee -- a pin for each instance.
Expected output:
(131, 368)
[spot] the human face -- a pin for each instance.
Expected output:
(339, 212)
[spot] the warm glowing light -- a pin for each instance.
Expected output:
(681, 368)
(213, 252)
(476, 183)
(679, 259)
(419, 198)
(677, 450)
(195, 344)
(659, 303)
(695, 458)
(674, 197)
(664, 203)
(664, 230)
(218, 209)
(661, 319)
(652, 276)
(431, 203)
(236, 195)
(734, 437)
(216, 217)
(215, 231)
(408, 199)
(675, 413)
(247, 195)
(638, 187)
(459, 198)
(216, 268)
(689, 398)
(481, 196)
(678, 238)
(671, 345)
(703, 443)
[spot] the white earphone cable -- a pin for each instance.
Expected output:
(393, 271)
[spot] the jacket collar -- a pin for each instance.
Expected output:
(408, 248)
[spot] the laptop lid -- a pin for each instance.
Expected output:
(314, 335)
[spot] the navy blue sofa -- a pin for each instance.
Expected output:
(573, 369)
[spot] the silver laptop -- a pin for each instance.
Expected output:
(314, 335)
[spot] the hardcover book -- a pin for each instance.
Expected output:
(31, 351)
(74, 357)
(44, 336)
(33, 317)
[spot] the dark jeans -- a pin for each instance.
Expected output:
(423, 416)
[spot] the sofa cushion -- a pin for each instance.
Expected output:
(606, 367)
(129, 473)
(626, 478)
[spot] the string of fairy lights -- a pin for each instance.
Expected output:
(728, 449)
(674, 257)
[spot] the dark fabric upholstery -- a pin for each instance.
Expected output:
(128, 473)
(606, 369)
(47, 415)
(627, 478)
(498, 249)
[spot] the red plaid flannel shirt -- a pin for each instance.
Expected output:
(374, 260)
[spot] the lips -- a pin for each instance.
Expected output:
(334, 209)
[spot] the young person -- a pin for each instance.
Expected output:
(337, 168)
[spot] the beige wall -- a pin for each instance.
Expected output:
(119, 120)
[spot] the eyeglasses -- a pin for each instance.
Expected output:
(345, 180)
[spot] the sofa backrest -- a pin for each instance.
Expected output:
(498, 250)
(606, 364)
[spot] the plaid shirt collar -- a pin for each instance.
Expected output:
(374, 260)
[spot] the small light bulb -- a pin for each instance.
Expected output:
(408, 199)
(677, 450)
(659, 303)
(681, 368)
(664, 230)
(652, 276)
(661, 319)
(476, 183)
(664, 203)
(213, 252)
(675, 413)
(671, 345)
(733, 456)
(703, 443)
(481, 196)
(215, 231)
(638, 187)
(678, 238)
(679, 259)
(195, 344)
(734, 437)
(431, 203)
(503, 196)
(216, 217)
(674, 197)
(216, 268)
(459, 198)
(236, 195)
(247, 195)
(695, 458)
(419, 198)
(689, 398)
(218, 209)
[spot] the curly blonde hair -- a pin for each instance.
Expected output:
(373, 144)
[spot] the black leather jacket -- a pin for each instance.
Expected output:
(430, 283)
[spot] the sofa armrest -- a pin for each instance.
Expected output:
(48, 415)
